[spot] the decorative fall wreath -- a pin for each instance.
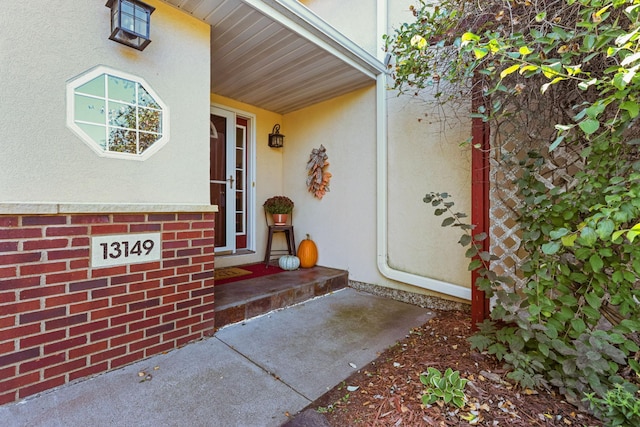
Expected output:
(318, 179)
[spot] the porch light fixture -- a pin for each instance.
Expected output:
(276, 139)
(130, 22)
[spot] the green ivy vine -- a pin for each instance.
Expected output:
(574, 323)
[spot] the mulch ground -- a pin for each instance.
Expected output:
(388, 391)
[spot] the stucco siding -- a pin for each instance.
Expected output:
(423, 155)
(42, 160)
(343, 223)
(356, 19)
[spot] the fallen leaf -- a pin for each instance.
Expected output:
(147, 377)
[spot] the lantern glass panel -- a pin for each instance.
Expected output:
(130, 22)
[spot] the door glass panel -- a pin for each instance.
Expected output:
(218, 194)
(218, 170)
(240, 162)
(217, 177)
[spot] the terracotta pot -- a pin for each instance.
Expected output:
(280, 219)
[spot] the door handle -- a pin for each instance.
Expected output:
(230, 180)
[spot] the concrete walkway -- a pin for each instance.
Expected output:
(249, 374)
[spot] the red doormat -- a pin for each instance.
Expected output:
(256, 270)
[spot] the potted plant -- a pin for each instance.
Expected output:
(280, 207)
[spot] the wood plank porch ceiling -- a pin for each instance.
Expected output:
(277, 55)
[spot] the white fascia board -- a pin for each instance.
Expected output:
(301, 20)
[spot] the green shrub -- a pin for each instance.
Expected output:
(448, 387)
(573, 323)
(619, 407)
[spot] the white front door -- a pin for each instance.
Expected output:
(228, 179)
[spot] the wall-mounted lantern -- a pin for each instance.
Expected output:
(276, 139)
(130, 22)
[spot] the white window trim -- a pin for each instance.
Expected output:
(95, 72)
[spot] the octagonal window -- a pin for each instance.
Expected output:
(117, 114)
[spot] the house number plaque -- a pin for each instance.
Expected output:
(122, 249)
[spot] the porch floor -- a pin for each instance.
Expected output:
(244, 299)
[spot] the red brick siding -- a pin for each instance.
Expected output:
(61, 320)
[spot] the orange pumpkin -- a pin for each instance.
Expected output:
(308, 253)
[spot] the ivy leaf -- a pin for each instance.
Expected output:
(595, 110)
(630, 324)
(585, 85)
(476, 263)
(480, 52)
(544, 349)
(509, 70)
(549, 71)
(472, 251)
(469, 37)
(551, 248)
(526, 68)
(588, 236)
(448, 221)
(551, 331)
(465, 239)
(569, 240)
(615, 236)
(589, 41)
(593, 300)
(556, 234)
(619, 81)
(630, 59)
(541, 16)
(631, 107)
(591, 313)
(534, 309)
(578, 325)
(556, 142)
(596, 262)
(524, 50)
(631, 235)
(605, 228)
(589, 126)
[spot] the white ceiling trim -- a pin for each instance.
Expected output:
(373, 65)
(278, 55)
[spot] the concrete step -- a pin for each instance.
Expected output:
(244, 299)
